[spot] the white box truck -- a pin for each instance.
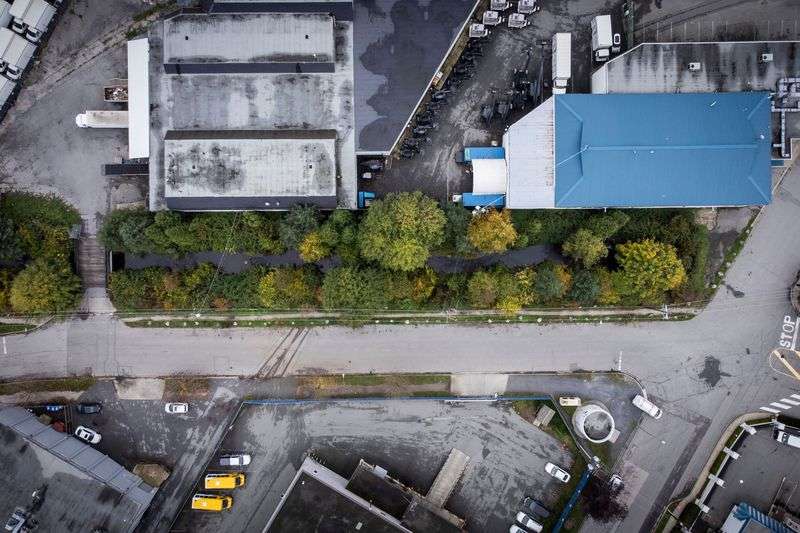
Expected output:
(562, 62)
(602, 37)
(15, 53)
(5, 14)
(102, 119)
(31, 18)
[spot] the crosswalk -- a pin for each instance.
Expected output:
(782, 404)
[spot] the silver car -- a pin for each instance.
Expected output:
(234, 459)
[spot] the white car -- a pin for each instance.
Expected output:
(236, 459)
(557, 472)
(176, 408)
(647, 406)
(87, 435)
(529, 522)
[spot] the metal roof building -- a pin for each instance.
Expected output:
(85, 490)
(642, 150)
(724, 67)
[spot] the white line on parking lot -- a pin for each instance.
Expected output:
(790, 402)
(796, 396)
(780, 405)
(770, 410)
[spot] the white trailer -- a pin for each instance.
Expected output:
(102, 119)
(562, 62)
(6, 88)
(31, 18)
(5, 14)
(15, 53)
(602, 37)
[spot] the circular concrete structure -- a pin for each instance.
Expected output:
(593, 422)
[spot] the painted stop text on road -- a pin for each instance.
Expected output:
(788, 338)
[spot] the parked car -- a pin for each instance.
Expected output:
(536, 507)
(234, 459)
(89, 408)
(176, 408)
(87, 435)
(528, 522)
(557, 472)
(647, 406)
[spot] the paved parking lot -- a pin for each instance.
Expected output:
(434, 170)
(754, 478)
(411, 439)
(717, 20)
(139, 431)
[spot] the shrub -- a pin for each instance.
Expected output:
(607, 224)
(585, 247)
(585, 287)
(45, 286)
(649, 268)
(123, 231)
(482, 290)
(47, 209)
(399, 231)
(298, 222)
(492, 231)
(6, 278)
(353, 288)
(608, 294)
(135, 289)
(10, 246)
(547, 226)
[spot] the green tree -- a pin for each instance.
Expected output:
(10, 247)
(6, 279)
(551, 283)
(492, 231)
(298, 222)
(649, 268)
(585, 247)
(313, 248)
(169, 234)
(585, 287)
(289, 288)
(45, 286)
(455, 231)
(339, 233)
(399, 231)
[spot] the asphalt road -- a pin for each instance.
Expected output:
(704, 372)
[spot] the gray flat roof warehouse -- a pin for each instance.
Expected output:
(264, 105)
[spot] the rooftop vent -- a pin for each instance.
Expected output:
(765, 58)
(695, 66)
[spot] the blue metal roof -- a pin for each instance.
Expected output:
(484, 152)
(662, 150)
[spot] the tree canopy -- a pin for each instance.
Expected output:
(399, 231)
(45, 285)
(649, 268)
(492, 231)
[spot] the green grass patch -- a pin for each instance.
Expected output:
(76, 384)
(186, 387)
(363, 380)
(14, 328)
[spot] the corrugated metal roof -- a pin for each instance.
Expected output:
(529, 158)
(662, 150)
(138, 98)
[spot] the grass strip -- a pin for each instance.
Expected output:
(75, 384)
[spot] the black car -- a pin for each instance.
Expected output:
(535, 507)
(89, 408)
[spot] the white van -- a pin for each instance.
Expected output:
(647, 406)
(787, 438)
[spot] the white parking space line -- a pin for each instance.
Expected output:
(796, 396)
(790, 402)
(769, 410)
(780, 405)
